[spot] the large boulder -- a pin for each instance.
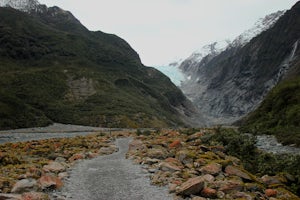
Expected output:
(49, 182)
(191, 186)
(167, 166)
(232, 170)
(157, 153)
(212, 168)
(55, 167)
(24, 185)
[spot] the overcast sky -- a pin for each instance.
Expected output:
(162, 31)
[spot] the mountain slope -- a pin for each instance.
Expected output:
(279, 113)
(230, 85)
(54, 69)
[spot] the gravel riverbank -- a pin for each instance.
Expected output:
(55, 130)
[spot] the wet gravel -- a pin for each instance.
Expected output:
(112, 177)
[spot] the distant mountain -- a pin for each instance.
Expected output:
(22, 5)
(260, 26)
(227, 84)
(279, 112)
(53, 69)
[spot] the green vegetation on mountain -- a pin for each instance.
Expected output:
(279, 113)
(255, 160)
(55, 73)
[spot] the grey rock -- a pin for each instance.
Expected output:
(24, 185)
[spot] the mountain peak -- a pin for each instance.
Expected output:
(261, 25)
(22, 5)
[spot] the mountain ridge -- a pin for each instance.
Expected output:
(223, 86)
(55, 70)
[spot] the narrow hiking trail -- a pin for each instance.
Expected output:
(111, 177)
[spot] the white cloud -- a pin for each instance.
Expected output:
(163, 30)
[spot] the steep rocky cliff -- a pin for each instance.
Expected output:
(228, 85)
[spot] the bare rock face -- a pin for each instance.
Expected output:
(228, 85)
(80, 89)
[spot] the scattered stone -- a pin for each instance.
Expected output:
(10, 196)
(63, 175)
(107, 150)
(35, 196)
(184, 156)
(242, 195)
(172, 187)
(24, 185)
(270, 180)
(49, 182)
(195, 136)
(208, 178)
(175, 144)
(198, 198)
(77, 156)
(209, 193)
(151, 161)
(231, 170)
(55, 167)
(228, 186)
(174, 161)
(213, 169)
(191, 186)
(270, 192)
(60, 160)
(92, 155)
(157, 153)
(136, 145)
(165, 166)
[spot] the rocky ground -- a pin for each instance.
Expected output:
(30, 170)
(192, 170)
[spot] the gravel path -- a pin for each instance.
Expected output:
(111, 177)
